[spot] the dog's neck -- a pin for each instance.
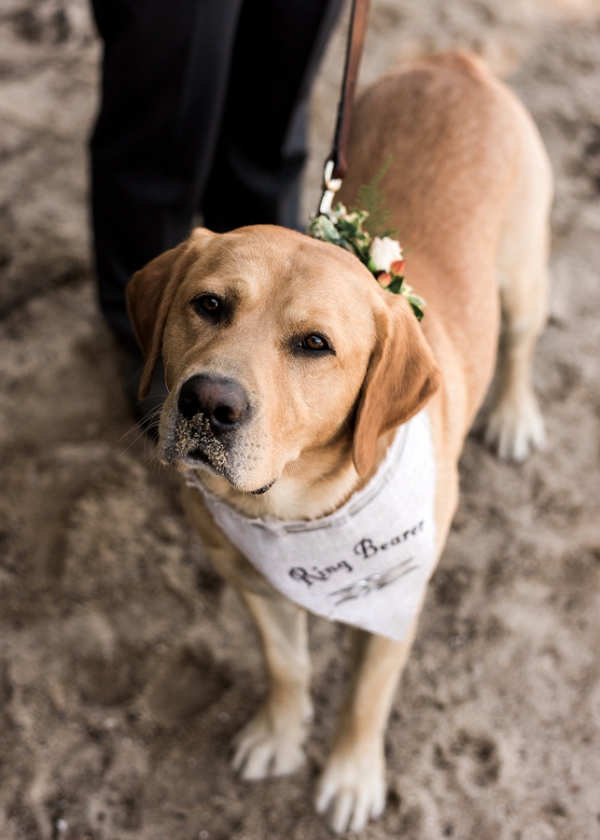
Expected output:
(313, 486)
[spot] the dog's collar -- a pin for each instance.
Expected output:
(365, 231)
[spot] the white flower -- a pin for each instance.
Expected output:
(384, 252)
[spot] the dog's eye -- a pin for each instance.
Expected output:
(315, 342)
(208, 304)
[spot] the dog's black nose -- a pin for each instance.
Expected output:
(222, 401)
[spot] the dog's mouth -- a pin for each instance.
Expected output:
(264, 489)
(200, 458)
(205, 457)
(194, 444)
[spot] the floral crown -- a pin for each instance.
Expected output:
(365, 232)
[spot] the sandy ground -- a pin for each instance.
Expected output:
(126, 665)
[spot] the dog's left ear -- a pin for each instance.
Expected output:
(150, 294)
(401, 377)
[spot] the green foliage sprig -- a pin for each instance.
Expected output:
(371, 200)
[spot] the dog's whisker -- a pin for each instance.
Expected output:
(140, 428)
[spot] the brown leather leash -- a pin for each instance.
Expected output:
(336, 164)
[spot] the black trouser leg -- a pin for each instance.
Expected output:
(165, 85)
(165, 73)
(262, 149)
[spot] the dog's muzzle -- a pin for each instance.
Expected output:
(210, 409)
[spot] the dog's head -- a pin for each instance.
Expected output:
(275, 346)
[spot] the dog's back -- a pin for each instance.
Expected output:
(469, 186)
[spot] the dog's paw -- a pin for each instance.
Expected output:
(264, 749)
(515, 429)
(352, 790)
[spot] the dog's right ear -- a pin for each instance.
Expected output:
(150, 294)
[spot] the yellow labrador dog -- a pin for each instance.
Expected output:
(290, 371)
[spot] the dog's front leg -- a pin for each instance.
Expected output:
(352, 787)
(271, 743)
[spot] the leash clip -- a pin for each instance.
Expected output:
(331, 186)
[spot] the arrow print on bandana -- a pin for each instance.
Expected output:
(377, 581)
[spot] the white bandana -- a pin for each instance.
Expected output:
(367, 564)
